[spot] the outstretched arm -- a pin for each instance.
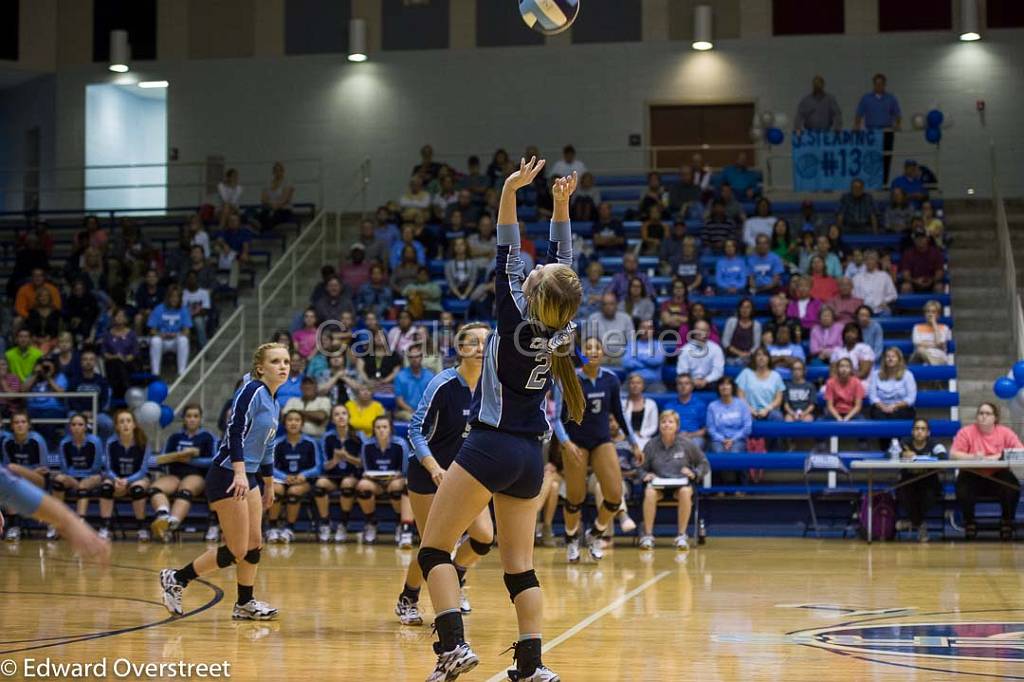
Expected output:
(560, 233)
(528, 170)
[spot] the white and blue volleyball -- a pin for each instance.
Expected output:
(549, 16)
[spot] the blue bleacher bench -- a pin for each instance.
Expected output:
(896, 428)
(734, 461)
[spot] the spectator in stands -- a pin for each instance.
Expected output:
(237, 239)
(670, 456)
(645, 356)
(65, 356)
(623, 280)
(717, 228)
(685, 195)
(336, 299)
(46, 380)
(899, 213)
(423, 297)
(27, 296)
(44, 321)
(593, 289)
(230, 194)
(415, 199)
(844, 303)
(120, 349)
(460, 271)
(408, 238)
(197, 300)
(568, 164)
(803, 308)
(692, 411)
(374, 296)
(465, 206)
(652, 232)
(81, 310)
(874, 285)
(169, 325)
(495, 169)
(870, 330)
(27, 259)
(933, 224)
(641, 411)
(276, 199)
(822, 249)
(701, 358)
(613, 327)
(196, 234)
(799, 396)
(637, 304)
(206, 275)
(587, 190)
(766, 268)
(826, 336)
(405, 272)
(778, 341)
(473, 180)
(315, 409)
(696, 314)
(818, 110)
(808, 218)
(837, 245)
(729, 420)
(879, 110)
(673, 311)
(446, 194)
(23, 356)
(9, 383)
(778, 306)
(931, 338)
(739, 176)
(483, 245)
(911, 183)
(823, 285)
(671, 246)
(742, 335)
(89, 380)
(410, 384)
(305, 337)
(355, 270)
(655, 195)
(761, 387)
(783, 244)
(916, 494)
(892, 389)
(686, 266)
(427, 168)
(405, 334)
(733, 208)
(922, 266)
(844, 394)
(761, 223)
(378, 367)
(148, 296)
(732, 276)
(609, 237)
(860, 355)
(857, 209)
(987, 439)
(376, 249)
(364, 410)
(701, 173)
(93, 271)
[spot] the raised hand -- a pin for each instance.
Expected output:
(564, 187)
(528, 170)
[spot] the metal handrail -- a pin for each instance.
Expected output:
(65, 395)
(200, 359)
(314, 235)
(1016, 316)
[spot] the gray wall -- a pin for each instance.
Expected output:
(473, 100)
(21, 108)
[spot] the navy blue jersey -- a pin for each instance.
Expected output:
(202, 439)
(130, 463)
(602, 398)
(438, 427)
(352, 444)
(389, 458)
(516, 368)
(31, 453)
(292, 459)
(82, 460)
(97, 384)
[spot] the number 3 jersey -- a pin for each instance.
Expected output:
(602, 397)
(517, 369)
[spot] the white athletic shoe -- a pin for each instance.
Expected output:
(51, 533)
(451, 664)
(593, 543)
(572, 549)
(681, 543)
(143, 535)
(287, 535)
(171, 590)
(13, 534)
(626, 522)
(213, 533)
(323, 533)
(405, 540)
(273, 536)
(173, 524)
(408, 612)
(541, 674)
(253, 610)
(160, 525)
(341, 533)
(369, 534)
(464, 604)
(647, 542)
(104, 533)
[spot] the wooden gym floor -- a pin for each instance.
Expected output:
(736, 609)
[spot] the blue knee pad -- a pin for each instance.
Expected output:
(430, 558)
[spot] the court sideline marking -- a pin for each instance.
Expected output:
(589, 620)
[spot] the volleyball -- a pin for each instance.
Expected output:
(549, 16)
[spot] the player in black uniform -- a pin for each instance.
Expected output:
(80, 459)
(127, 474)
(25, 455)
(384, 460)
(342, 469)
(501, 457)
(185, 479)
(297, 463)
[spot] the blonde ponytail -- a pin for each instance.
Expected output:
(554, 303)
(565, 373)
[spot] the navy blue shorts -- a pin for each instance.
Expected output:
(418, 479)
(181, 470)
(219, 479)
(588, 443)
(337, 474)
(506, 463)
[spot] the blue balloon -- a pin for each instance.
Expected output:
(157, 391)
(1018, 372)
(166, 415)
(935, 118)
(933, 135)
(774, 136)
(1005, 388)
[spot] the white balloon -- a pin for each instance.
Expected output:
(767, 119)
(781, 120)
(756, 134)
(917, 120)
(148, 413)
(134, 397)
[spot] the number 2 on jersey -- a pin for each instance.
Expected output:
(538, 377)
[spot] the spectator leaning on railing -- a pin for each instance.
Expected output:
(818, 110)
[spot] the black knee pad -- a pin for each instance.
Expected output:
(72, 495)
(224, 557)
(253, 556)
(320, 492)
(481, 548)
(573, 508)
(96, 491)
(395, 495)
(107, 490)
(292, 499)
(430, 558)
(57, 487)
(612, 506)
(364, 494)
(183, 495)
(137, 492)
(518, 582)
(153, 490)
(348, 492)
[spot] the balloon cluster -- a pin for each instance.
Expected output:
(147, 404)
(930, 123)
(768, 126)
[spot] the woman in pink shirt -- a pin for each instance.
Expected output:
(803, 308)
(986, 439)
(305, 338)
(826, 336)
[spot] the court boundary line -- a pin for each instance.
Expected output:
(591, 619)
